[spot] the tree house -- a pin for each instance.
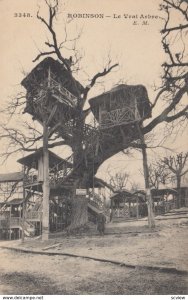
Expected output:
(123, 105)
(52, 92)
(34, 178)
(11, 202)
(119, 112)
(34, 165)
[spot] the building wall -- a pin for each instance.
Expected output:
(11, 190)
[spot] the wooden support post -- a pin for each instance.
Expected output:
(49, 77)
(46, 184)
(151, 217)
(10, 223)
(23, 207)
(52, 114)
(19, 233)
(40, 226)
(137, 210)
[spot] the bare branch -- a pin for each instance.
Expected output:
(180, 27)
(96, 76)
(164, 114)
(43, 54)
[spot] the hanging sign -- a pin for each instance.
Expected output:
(81, 192)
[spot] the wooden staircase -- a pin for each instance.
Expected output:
(65, 178)
(90, 161)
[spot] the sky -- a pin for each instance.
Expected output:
(136, 47)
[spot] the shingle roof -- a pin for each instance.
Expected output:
(8, 177)
(54, 159)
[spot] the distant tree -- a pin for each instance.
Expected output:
(119, 180)
(158, 173)
(177, 165)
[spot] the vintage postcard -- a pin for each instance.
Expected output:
(93, 148)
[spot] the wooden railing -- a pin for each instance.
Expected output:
(31, 178)
(119, 116)
(96, 202)
(15, 222)
(4, 223)
(53, 86)
(11, 222)
(63, 91)
(61, 170)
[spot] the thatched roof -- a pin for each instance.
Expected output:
(11, 177)
(40, 72)
(54, 159)
(128, 93)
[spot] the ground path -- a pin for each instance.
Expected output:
(41, 274)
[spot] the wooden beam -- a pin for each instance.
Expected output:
(51, 115)
(23, 205)
(46, 185)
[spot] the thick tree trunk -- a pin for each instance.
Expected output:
(79, 210)
(79, 214)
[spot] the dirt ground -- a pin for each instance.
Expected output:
(128, 242)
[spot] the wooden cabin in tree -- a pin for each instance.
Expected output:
(52, 93)
(119, 112)
(59, 204)
(122, 105)
(11, 203)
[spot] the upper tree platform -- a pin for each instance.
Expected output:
(51, 87)
(122, 105)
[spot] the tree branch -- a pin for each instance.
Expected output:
(164, 114)
(183, 112)
(180, 27)
(96, 76)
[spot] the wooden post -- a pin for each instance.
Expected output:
(151, 218)
(46, 184)
(137, 211)
(19, 221)
(23, 207)
(10, 223)
(40, 226)
(49, 77)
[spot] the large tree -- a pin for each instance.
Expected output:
(170, 94)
